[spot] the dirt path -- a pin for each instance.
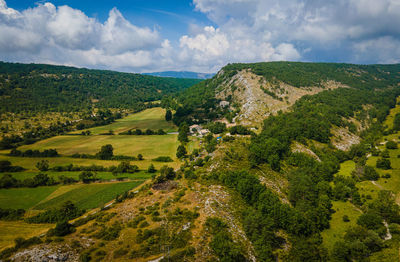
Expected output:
(388, 234)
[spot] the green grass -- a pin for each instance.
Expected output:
(24, 197)
(337, 226)
(389, 119)
(153, 118)
(148, 146)
(346, 168)
(100, 175)
(29, 163)
(90, 196)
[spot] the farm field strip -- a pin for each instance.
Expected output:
(152, 118)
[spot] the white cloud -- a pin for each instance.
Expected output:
(63, 35)
(358, 31)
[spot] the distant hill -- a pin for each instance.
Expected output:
(181, 74)
(40, 87)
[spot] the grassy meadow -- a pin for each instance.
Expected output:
(87, 196)
(153, 118)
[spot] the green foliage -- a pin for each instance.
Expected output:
(66, 212)
(109, 233)
(151, 169)
(43, 165)
(166, 173)
(358, 244)
(386, 206)
(391, 145)
(35, 87)
(5, 166)
(168, 115)
(125, 167)
(222, 243)
(216, 127)
(181, 151)
(370, 220)
(62, 229)
(86, 177)
(11, 214)
(396, 122)
(163, 159)
(106, 152)
(239, 130)
(383, 163)
(183, 133)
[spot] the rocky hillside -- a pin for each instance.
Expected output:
(258, 97)
(247, 93)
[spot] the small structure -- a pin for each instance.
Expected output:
(224, 104)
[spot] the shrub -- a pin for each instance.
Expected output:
(383, 163)
(391, 145)
(163, 159)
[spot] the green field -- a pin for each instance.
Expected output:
(148, 146)
(89, 196)
(75, 174)
(24, 197)
(153, 118)
(346, 168)
(337, 226)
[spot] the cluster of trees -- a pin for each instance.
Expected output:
(5, 166)
(266, 214)
(65, 212)
(107, 153)
(362, 240)
(34, 153)
(300, 74)
(34, 87)
(147, 132)
(313, 117)
(34, 135)
(11, 214)
(41, 179)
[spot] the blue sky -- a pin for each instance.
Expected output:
(172, 17)
(197, 35)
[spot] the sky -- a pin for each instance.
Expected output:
(197, 35)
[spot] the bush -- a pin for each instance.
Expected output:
(383, 163)
(42, 165)
(62, 229)
(346, 218)
(391, 145)
(163, 159)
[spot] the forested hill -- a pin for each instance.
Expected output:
(275, 86)
(39, 87)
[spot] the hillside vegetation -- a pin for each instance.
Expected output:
(317, 181)
(37, 87)
(274, 86)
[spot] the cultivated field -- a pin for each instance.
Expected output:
(87, 196)
(153, 118)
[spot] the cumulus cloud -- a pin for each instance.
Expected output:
(357, 31)
(320, 29)
(64, 35)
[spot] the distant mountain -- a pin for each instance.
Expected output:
(181, 74)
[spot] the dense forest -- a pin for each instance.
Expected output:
(37, 87)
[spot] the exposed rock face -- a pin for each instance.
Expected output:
(343, 139)
(258, 98)
(299, 148)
